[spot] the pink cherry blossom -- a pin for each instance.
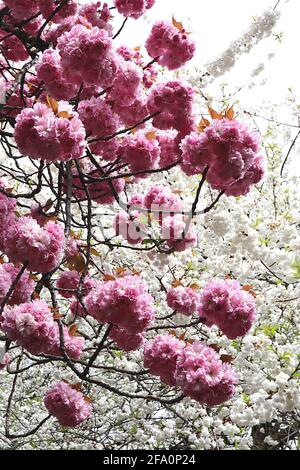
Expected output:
(253, 175)
(67, 405)
(22, 9)
(41, 134)
(50, 71)
(68, 284)
(170, 152)
(133, 8)
(183, 299)
(41, 248)
(225, 304)
(173, 103)
(98, 118)
(83, 52)
(125, 341)
(162, 202)
(30, 324)
(196, 155)
(127, 84)
(129, 227)
(160, 356)
(171, 46)
(47, 7)
(12, 48)
(140, 152)
(22, 290)
(124, 302)
(202, 375)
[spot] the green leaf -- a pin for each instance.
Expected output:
(296, 268)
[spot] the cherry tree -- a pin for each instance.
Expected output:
(148, 274)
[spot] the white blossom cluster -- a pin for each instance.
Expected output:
(261, 27)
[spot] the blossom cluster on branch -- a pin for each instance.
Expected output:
(91, 132)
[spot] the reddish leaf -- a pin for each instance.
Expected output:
(190, 341)
(176, 283)
(181, 337)
(136, 273)
(52, 103)
(214, 114)
(215, 347)
(177, 24)
(247, 287)
(203, 124)
(88, 400)
(151, 135)
(77, 386)
(120, 272)
(230, 114)
(73, 330)
(172, 332)
(48, 205)
(194, 286)
(108, 277)
(76, 263)
(65, 115)
(226, 358)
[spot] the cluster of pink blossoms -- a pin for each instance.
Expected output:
(172, 106)
(125, 341)
(12, 48)
(67, 405)
(22, 289)
(50, 72)
(41, 133)
(196, 368)
(98, 118)
(42, 248)
(124, 302)
(140, 153)
(171, 46)
(225, 304)
(203, 376)
(160, 357)
(33, 327)
(170, 153)
(183, 299)
(22, 9)
(230, 151)
(83, 51)
(133, 8)
(69, 281)
(47, 8)
(150, 72)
